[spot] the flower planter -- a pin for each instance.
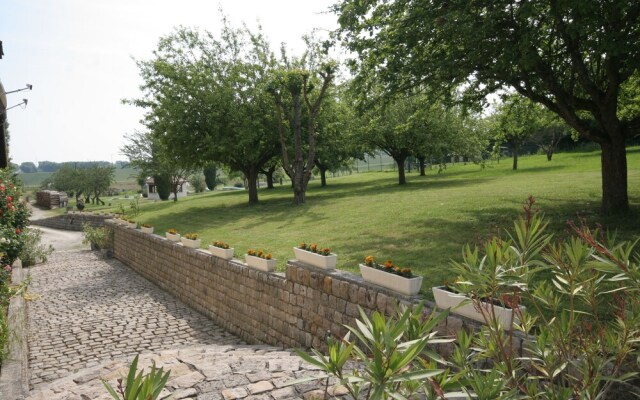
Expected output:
(315, 259)
(144, 229)
(131, 225)
(191, 243)
(227, 254)
(446, 299)
(172, 237)
(397, 283)
(261, 264)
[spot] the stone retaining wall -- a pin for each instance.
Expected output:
(72, 221)
(295, 309)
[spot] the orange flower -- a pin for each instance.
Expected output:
(388, 264)
(251, 252)
(314, 247)
(268, 256)
(369, 260)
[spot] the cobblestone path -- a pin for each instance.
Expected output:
(89, 310)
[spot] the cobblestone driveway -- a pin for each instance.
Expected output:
(91, 310)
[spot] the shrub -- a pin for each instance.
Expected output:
(98, 238)
(139, 386)
(34, 251)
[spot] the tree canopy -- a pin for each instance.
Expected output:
(574, 57)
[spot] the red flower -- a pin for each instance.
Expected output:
(18, 231)
(9, 199)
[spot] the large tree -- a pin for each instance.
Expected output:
(298, 100)
(206, 99)
(572, 56)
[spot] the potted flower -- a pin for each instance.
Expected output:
(131, 224)
(172, 235)
(260, 260)
(313, 255)
(221, 249)
(447, 297)
(390, 276)
(191, 240)
(146, 228)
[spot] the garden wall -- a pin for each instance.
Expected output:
(293, 309)
(72, 221)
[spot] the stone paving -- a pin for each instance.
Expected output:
(212, 372)
(90, 316)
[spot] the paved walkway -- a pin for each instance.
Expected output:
(91, 316)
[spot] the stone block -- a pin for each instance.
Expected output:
(328, 285)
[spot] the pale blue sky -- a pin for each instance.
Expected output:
(77, 54)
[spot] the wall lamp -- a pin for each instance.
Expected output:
(24, 102)
(27, 87)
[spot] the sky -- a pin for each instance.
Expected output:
(79, 57)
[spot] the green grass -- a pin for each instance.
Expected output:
(422, 225)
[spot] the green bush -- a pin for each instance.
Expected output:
(582, 324)
(97, 237)
(34, 251)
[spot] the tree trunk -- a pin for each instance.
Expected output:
(400, 161)
(615, 199)
(421, 161)
(549, 154)
(269, 176)
(251, 176)
(323, 176)
(515, 156)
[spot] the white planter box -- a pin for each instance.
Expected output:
(314, 259)
(261, 264)
(191, 243)
(397, 283)
(131, 225)
(227, 254)
(144, 229)
(446, 299)
(172, 237)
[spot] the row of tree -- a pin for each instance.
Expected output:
(229, 101)
(90, 182)
(50, 166)
(420, 75)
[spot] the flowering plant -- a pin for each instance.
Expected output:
(191, 236)
(172, 231)
(314, 249)
(259, 254)
(220, 244)
(146, 226)
(388, 266)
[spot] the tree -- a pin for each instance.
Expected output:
(211, 176)
(295, 99)
(28, 167)
(97, 180)
(552, 131)
(336, 144)
(517, 119)
(147, 153)
(206, 100)
(573, 57)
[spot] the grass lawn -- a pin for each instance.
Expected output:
(422, 225)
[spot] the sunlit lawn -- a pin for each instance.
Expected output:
(422, 225)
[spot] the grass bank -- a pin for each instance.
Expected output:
(422, 225)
